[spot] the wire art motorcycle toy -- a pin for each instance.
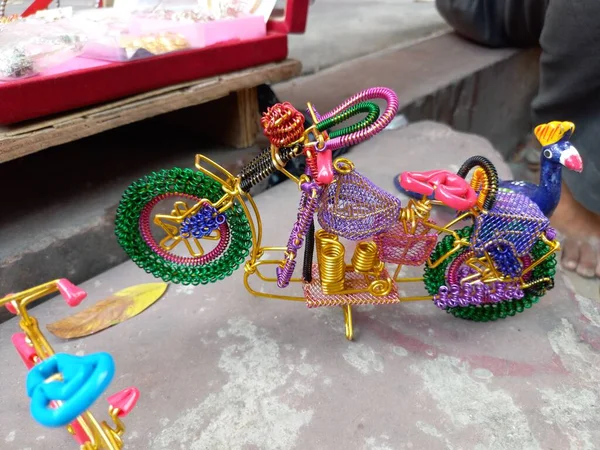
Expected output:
(61, 386)
(496, 258)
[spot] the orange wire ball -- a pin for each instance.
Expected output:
(282, 124)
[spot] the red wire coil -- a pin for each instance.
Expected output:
(311, 162)
(282, 124)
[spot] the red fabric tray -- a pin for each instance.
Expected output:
(41, 96)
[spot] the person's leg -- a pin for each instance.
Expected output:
(570, 90)
(569, 34)
(495, 23)
(481, 21)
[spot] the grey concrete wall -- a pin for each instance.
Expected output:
(492, 102)
(445, 79)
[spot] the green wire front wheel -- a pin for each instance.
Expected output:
(156, 241)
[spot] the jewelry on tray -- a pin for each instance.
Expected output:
(157, 44)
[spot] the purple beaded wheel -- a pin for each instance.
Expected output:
(484, 301)
(463, 289)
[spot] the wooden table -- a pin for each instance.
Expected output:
(233, 94)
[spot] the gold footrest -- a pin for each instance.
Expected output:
(354, 281)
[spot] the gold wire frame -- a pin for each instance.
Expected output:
(362, 283)
(101, 435)
(233, 194)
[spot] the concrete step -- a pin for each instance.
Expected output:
(442, 78)
(59, 205)
(342, 30)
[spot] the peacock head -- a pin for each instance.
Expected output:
(556, 147)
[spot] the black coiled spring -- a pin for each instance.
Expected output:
(490, 172)
(539, 288)
(309, 247)
(262, 166)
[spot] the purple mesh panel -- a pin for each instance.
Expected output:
(514, 220)
(354, 208)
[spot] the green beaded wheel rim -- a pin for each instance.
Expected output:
(179, 181)
(436, 277)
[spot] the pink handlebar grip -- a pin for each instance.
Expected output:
(71, 293)
(25, 351)
(11, 308)
(324, 173)
(124, 400)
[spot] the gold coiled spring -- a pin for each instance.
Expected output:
(481, 184)
(321, 237)
(332, 267)
(416, 211)
(366, 259)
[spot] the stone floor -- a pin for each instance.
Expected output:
(221, 369)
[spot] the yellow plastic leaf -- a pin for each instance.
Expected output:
(115, 309)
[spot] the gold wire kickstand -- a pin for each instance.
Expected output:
(348, 322)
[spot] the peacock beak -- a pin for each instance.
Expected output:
(571, 159)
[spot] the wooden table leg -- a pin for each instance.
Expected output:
(232, 120)
(243, 120)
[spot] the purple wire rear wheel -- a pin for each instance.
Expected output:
(487, 302)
